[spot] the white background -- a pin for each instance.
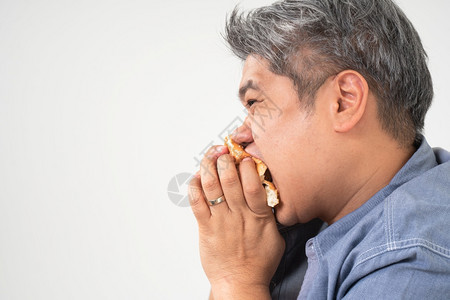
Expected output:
(101, 104)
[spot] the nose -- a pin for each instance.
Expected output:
(243, 134)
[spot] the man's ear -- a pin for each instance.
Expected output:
(349, 105)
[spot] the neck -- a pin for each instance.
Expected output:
(374, 168)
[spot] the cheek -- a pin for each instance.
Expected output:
(278, 150)
(281, 146)
(278, 132)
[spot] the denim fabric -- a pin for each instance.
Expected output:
(395, 246)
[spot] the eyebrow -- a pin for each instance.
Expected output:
(248, 85)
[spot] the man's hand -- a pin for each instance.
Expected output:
(240, 246)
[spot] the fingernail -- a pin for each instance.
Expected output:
(247, 158)
(221, 149)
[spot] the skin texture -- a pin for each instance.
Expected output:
(325, 162)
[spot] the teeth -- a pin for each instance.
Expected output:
(238, 152)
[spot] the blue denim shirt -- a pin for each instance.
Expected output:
(289, 276)
(395, 246)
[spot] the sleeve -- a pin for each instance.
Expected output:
(422, 274)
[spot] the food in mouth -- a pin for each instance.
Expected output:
(238, 152)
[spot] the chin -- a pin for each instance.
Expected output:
(284, 215)
(287, 215)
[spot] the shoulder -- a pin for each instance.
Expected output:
(404, 234)
(414, 224)
(413, 256)
(417, 213)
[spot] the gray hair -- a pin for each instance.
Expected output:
(310, 40)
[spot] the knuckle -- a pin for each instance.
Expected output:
(210, 153)
(229, 180)
(224, 159)
(253, 190)
(210, 183)
(206, 162)
(224, 162)
(194, 193)
(213, 152)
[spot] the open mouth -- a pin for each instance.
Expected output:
(268, 175)
(238, 152)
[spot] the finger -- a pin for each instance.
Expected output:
(197, 200)
(254, 192)
(229, 180)
(210, 179)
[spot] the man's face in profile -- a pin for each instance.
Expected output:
(292, 142)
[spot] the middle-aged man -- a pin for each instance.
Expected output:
(364, 201)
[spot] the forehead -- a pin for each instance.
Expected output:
(256, 72)
(255, 69)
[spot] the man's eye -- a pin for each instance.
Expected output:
(251, 102)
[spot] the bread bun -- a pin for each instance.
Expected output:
(238, 152)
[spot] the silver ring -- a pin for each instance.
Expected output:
(216, 201)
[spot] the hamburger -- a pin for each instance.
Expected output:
(238, 152)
